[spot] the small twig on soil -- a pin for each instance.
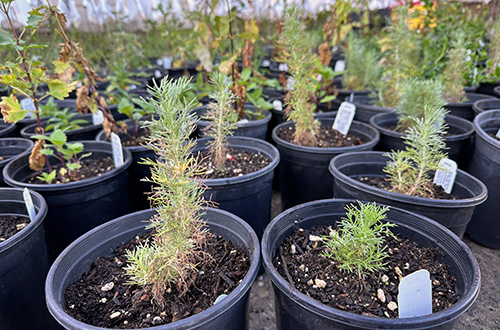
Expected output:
(226, 279)
(285, 267)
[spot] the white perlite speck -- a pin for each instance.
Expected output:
(108, 287)
(115, 315)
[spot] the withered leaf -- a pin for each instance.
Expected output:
(37, 159)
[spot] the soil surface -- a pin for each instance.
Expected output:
(237, 163)
(384, 183)
(11, 225)
(90, 168)
(494, 136)
(327, 137)
(374, 294)
(101, 297)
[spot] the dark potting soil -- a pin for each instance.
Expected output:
(90, 168)
(299, 260)
(238, 163)
(327, 137)
(11, 225)
(384, 183)
(130, 306)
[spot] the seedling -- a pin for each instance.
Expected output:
(453, 75)
(358, 243)
(361, 62)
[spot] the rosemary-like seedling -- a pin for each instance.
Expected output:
(453, 76)
(361, 62)
(300, 62)
(358, 243)
(177, 227)
(408, 169)
(222, 116)
(417, 96)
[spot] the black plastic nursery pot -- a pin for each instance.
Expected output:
(485, 105)
(464, 109)
(247, 196)
(76, 207)
(137, 189)
(295, 310)
(365, 108)
(7, 129)
(85, 132)
(303, 171)
(453, 214)
(485, 165)
(12, 147)
(76, 259)
(487, 88)
(65, 103)
(24, 265)
(458, 141)
(255, 128)
(351, 94)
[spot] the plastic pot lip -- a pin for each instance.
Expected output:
(478, 106)
(101, 137)
(70, 185)
(490, 114)
(355, 319)
(22, 142)
(203, 317)
(367, 106)
(451, 120)
(441, 203)
(496, 90)
(84, 128)
(251, 123)
(6, 127)
(318, 150)
(41, 212)
(466, 104)
(243, 141)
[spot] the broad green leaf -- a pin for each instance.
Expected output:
(73, 166)
(60, 66)
(47, 152)
(76, 147)
(11, 109)
(34, 18)
(47, 177)
(58, 137)
(35, 46)
(61, 90)
(245, 74)
(328, 98)
(5, 39)
(39, 136)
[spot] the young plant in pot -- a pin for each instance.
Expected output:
(306, 143)
(490, 77)
(407, 179)
(190, 267)
(239, 170)
(337, 265)
(417, 98)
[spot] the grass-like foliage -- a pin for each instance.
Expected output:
(178, 229)
(361, 62)
(417, 96)
(453, 76)
(408, 169)
(492, 70)
(358, 243)
(300, 62)
(222, 116)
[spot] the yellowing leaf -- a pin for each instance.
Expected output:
(60, 66)
(60, 89)
(11, 109)
(225, 66)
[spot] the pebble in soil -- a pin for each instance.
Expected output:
(11, 225)
(299, 260)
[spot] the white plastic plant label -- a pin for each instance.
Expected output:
(219, 298)
(27, 104)
(498, 134)
(283, 67)
(29, 204)
(344, 117)
(98, 117)
(157, 74)
(415, 295)
(132, 87)
(266, 63)
(277, 105)
(339, 66)
(159, 62)
(167, 62)
(243, 121)
(445, 176)
(319, 77)
(116, 145)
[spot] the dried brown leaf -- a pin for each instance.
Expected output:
(37, 159)
(82, 98)
(108, 127)
(325, 55)
(67, 75)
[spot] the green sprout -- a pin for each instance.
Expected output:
(358, 243)
(453, 76)
(361, 62)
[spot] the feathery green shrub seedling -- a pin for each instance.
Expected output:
(177, 227)
(408, 169)
(453, 76)
(358, 243)
(361, 62)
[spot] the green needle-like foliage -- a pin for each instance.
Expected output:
(361, 62)
(453, 76)
(300, 62)
(358, 244)
(492, 71)
(222, 116)
(416, 96)
(178, 230)
(408, 169)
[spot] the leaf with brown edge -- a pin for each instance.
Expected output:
(102, 101)
(123, 128)
(247, 51)
(108, 127)
(37, 159)
(325, 55)
(11, 109)
(64, 52)
(82, 98)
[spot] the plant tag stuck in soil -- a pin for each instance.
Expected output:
(278, 105)
(283, 67)
(132, 87)
(344, 117)
(157, 74)
(219, 298)
(167, 62)
(339, 66)
(415, 295)
(445, 177)
(266, 63)
(27, 104)
(98, 117)
(116, 145)
(29, 204)
(498, 134)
